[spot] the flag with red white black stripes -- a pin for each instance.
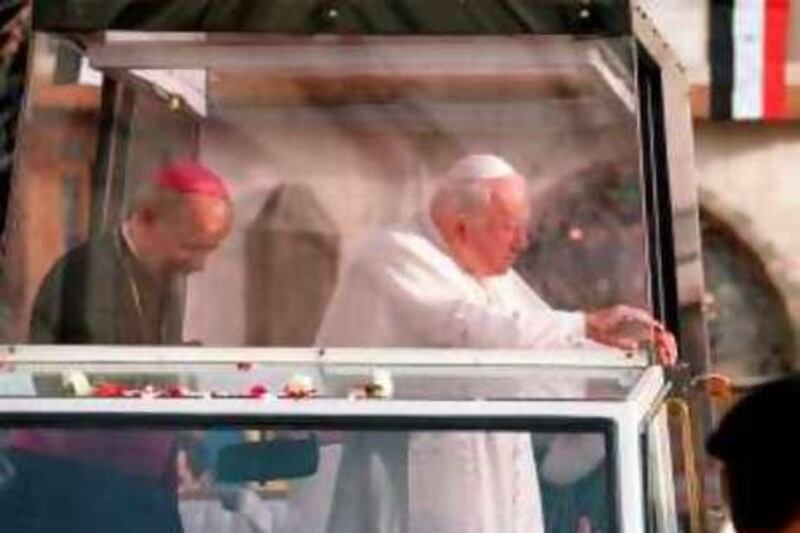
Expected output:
(747, 53)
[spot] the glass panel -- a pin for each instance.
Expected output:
(352, 224)
(320, 479)
(574, 480)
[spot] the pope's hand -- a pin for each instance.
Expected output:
(631, 328)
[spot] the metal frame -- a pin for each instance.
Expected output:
(386, 55)
(678, 209)
(108, 171)
(655, 172)
(32, 357)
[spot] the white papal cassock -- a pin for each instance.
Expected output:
(402, 289)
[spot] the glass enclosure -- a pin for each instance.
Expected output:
(326, 143)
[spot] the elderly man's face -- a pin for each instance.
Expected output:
(197, 229)
(496, 237)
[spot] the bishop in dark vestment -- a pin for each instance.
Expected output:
(125, 288)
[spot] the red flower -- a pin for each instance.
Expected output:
(109, 390)
(176, 391)
(258, 391)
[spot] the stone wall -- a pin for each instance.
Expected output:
(750, 181)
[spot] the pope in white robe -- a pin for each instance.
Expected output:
(444, 280)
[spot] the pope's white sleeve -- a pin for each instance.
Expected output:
(433, 311)
(483, 327)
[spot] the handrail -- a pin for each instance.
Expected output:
(679, 410)
(68, 357)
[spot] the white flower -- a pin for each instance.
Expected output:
(78, 382)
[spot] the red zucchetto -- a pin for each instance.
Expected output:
(190, 177)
